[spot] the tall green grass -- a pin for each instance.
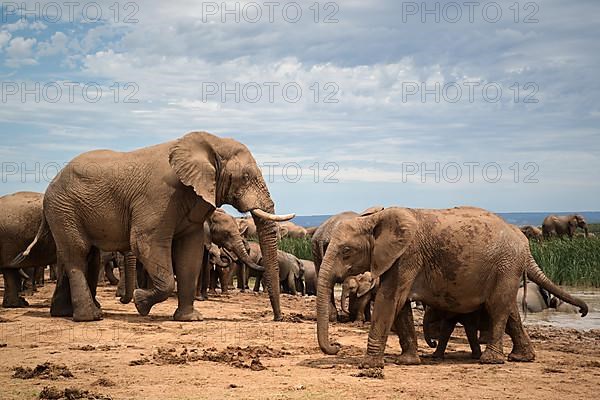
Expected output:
(301, 248)
(566, 262)
(569, 262)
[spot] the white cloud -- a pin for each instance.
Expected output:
(56, 45)
(19, 52)
(4, 38)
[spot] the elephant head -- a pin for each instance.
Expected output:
(577, 221)
(223, 171)
(225, 233)
(216, 257)
(357, 286)
(365, 243)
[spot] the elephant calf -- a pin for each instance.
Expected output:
(438, 324)
(360, 291)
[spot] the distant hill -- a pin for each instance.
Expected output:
(517, 218)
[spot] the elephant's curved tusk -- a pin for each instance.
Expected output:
(271, 217)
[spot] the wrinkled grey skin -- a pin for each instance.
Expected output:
(456, 260)
(320, 241)
(555, 225)
(153, 202)
(310, 278)
(438, 324)
(360, 290)
(20, 218)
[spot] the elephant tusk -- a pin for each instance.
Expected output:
(271, 217)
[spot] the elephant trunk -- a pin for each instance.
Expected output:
(324, 287)
(535, 274)
(267, 235)
(343, 301)
(130, 277)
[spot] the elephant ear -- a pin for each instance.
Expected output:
(196, 163)
(367, 284)
(243, 228)
(393, 231)
(371, 210)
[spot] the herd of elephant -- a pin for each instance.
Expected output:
(159, 207)
(558, 226)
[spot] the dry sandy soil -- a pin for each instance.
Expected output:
(126, 356)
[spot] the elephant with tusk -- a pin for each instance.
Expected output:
(152, 202)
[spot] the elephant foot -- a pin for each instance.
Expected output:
(93, 314)
(434, 356)
(212, 292)
(200, 297)
(187, 314)
(522, 356)
(142, 301)
(491, 356)
(371, 362)
(18, 302)
(476, 355)
(409, 359)
(61, 309)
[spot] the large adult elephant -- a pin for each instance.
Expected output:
(154, 202)
(20, 218)
(563, 225)
(320, 241)
(455, 260)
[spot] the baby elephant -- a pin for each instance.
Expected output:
(438, 324)
(360, 291)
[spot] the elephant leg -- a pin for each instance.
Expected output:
(407, 336)
(499, 307)
(12, 284)
(61, 305)
(93, 272)
(333, 312)
(213, 281)
(186, 258)
(156, 259)
(291, 281)
(257, 282)
(75, 266)
(201, 288)
(121, 283)
(39, 276)
(53, 272)
(223, 279)
(244, 272)
(390, 298)
(522, 347)
(470, 324)
(109, 273)
(446, 328)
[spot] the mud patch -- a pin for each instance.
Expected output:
(238, 357)
(87, 347)
(46, 370)
(105, 382)
(372, 373)
(53, 393)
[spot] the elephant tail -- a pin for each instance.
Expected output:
(39, 241)
(536, 275)
(524, 299)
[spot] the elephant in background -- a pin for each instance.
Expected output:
(532, 232)
(456, 260)
(291, 271)
(310, 231)
(246, 227)
(438, 324)
(108, 262)
(219, 263)
(563, 225)
(152, 202)
(289, 229)
(320, 241)
(360, 291)
(19, 222)
(537, 299)
(310, 278)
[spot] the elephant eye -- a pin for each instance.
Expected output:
(346, 250)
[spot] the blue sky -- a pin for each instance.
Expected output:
(367, 127)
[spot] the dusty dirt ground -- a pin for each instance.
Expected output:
(239, 352)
